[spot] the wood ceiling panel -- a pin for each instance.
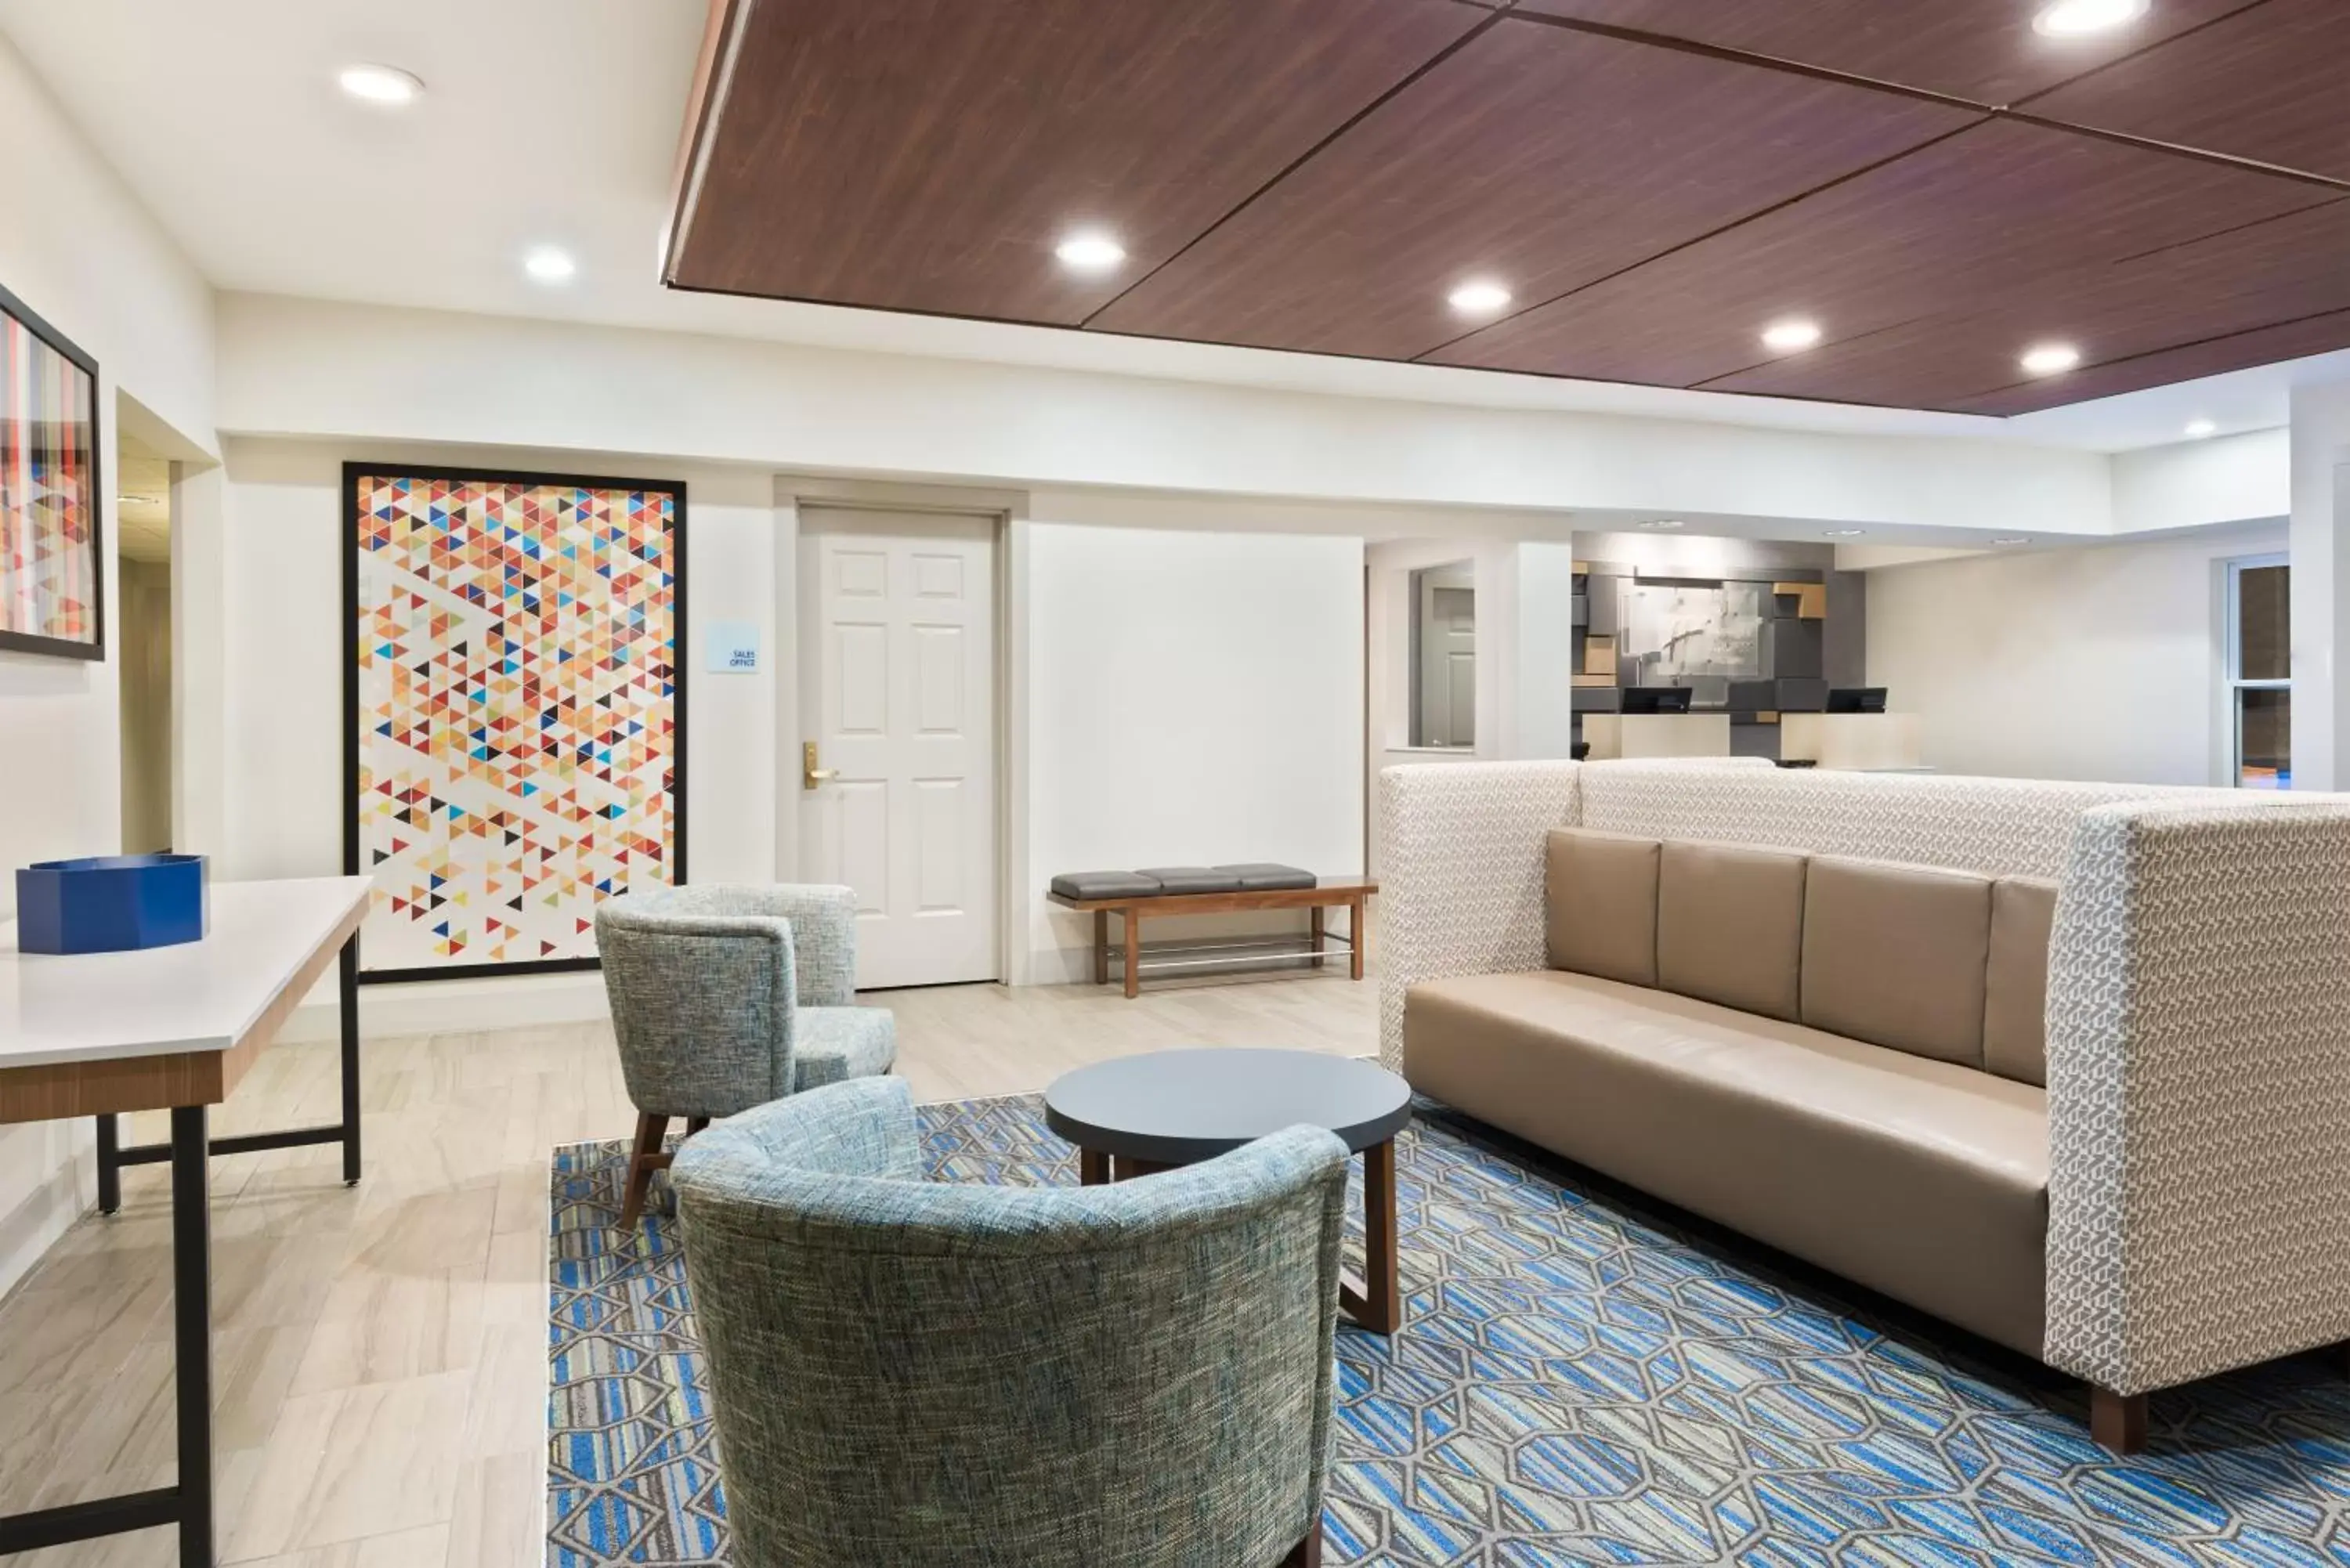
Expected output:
(1993, 215)
(1529, 157)
(2218, 288)
(2189, 363)
(2267, 84)
(1983, 50)
(928, 154)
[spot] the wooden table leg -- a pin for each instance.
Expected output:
(1101, 947)
(1133, 952)
(1355, 937)
(1378, 1305)
(1317, 935)
(1093, 1168)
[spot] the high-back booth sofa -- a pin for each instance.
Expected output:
(2068, 1065)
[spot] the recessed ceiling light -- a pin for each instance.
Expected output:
(1843, 533)
(379, 84)
(2013, 539)
(1089, 251)
(1791, 336)
(1664, 523)
(2049, 358)
(2078, 18)
(548, 265)
(1480, 296)
(2198, 429)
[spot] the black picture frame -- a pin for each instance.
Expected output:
(94, 650)
(353, 472)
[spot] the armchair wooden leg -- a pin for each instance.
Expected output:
(2117, 1421)
(1306, 1553)
(643, 1160)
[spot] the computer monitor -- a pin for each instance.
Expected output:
(1655, 699)
(1856, 700)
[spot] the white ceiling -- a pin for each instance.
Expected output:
(557, 123)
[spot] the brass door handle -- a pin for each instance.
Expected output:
(812, 775)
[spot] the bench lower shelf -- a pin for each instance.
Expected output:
(1313, 946)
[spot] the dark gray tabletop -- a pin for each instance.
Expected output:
(1173, 1107)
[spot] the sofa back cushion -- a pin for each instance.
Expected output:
(1730, 925)
(1896, 955)
(2015, 995)
(1600, 905)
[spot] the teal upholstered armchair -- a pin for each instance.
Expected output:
(908, 1373)
(725, 997)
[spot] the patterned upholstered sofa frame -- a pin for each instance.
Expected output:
(2197, 1024)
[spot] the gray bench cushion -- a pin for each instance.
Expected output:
(1192, 879)
(1260, 876)
(1106, 885)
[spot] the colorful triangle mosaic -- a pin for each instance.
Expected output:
(518, 713)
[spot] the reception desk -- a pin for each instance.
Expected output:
(1616, 737)
(1852, 742)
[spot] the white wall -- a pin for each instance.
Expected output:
(2098, 663)
(1192, 698)
(77, 249)
(2194, 484)
(281, 670)
(2321, 584)
(288, 367)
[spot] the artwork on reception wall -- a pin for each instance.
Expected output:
(514, 708)
(52, 571)
(1681, 635)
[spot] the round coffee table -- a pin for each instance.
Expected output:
(1154, 1112)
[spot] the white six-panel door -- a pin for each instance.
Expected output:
(897, 658)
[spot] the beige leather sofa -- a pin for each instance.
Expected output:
(1821, 1020)
(1840, 1057)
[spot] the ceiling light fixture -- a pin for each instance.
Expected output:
(386, 85)
(2079, 18)
(1664, 523)
(548, 265)
(1843, 533)
(2049, 358)
(1791, 335)
(2013, 539)
(1480, 296)
(1089, 251)
(2198, 429)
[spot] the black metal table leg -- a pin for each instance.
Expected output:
(109, 1164)
(112, 1157)
(191, 1329)
(351, 1009)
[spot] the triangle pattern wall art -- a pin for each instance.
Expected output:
(51, 575)
(516, 709)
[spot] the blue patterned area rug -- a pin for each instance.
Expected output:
(1575, 1383)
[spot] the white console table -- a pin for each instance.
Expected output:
(175, 1028)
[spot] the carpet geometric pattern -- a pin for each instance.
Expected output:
(516, 712)
(1574, 1384)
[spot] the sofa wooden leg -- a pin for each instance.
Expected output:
(2117, 1421)
(1306, 1553)
(643, 1160)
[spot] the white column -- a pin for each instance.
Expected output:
(2321, 587)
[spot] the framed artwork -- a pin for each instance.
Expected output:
(513, 708)
(52, 572)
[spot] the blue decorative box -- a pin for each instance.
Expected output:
(110, 903)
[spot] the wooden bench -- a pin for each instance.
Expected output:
(1350, 894)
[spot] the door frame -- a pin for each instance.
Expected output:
(1005, 509)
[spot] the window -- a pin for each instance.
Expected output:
(2260, 672)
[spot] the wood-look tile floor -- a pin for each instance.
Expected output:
(379, 1359)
